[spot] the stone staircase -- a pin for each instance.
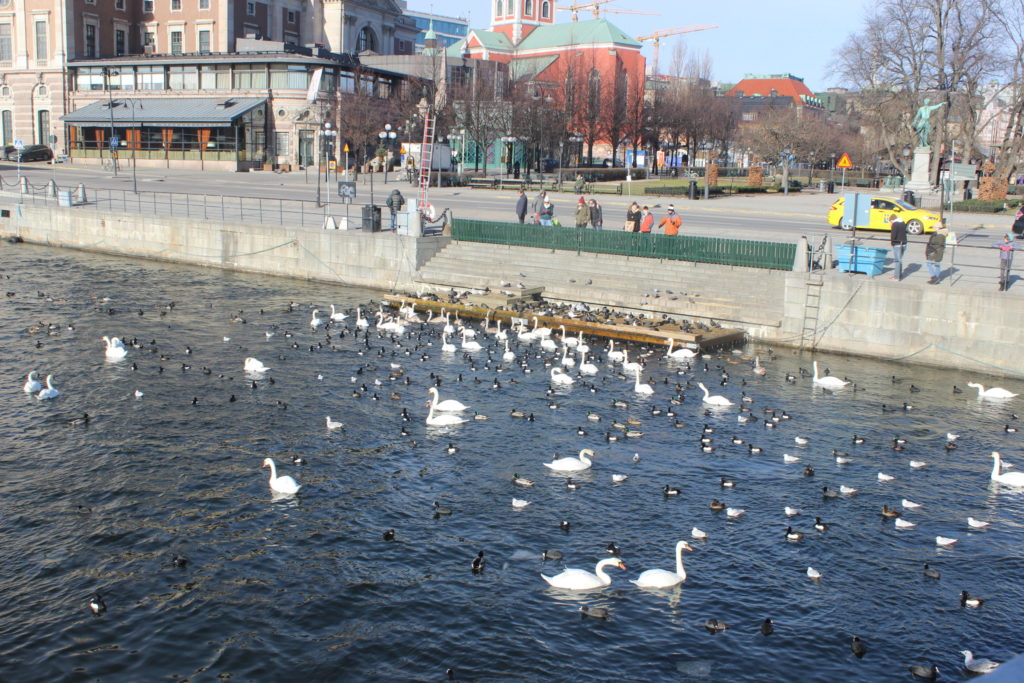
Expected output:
(698, 290)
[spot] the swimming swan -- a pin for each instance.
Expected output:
(447, 406)
(682, 353)
(582, 580)
(50, 392)
(315, 321)
(115, 348)
(32, 385)
(1008, 478)
(283, 484)
(828, 381)
(613, 355)
(994, 392)
(661, 578)
(716, 400)
(558, 376)
(442, 420)
(337, 316)
(253, 365)
(638, 387)
(587, 368)
(571, 464)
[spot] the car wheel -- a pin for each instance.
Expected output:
(915, 227)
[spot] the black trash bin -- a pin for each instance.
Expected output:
(692, 192)
(909, 198)
(371, 218)
(831, 187)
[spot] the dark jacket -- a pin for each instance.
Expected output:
(395, 201)
(521, 204)
(936, 247)
(634, 218)
(596, 215)
(898, 232)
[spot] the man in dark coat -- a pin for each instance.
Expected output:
(898, 240)
(521, 205)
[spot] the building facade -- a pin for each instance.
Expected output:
(447, 30)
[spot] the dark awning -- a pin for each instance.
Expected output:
(167, 112)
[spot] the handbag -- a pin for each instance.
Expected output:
(630, 226)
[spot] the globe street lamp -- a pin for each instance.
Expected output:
(387, 137)
(327, 135)
(509, 141)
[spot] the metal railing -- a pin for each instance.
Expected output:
(749, 253)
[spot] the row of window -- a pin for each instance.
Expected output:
(226, 77)
(147, 5)
(41, 135)
(41, 43)
(503, 8)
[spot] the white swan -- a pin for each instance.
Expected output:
(1008, 478)
(315, 321)
(283, 484)
(682, 353)
(49, 391)
(442, 420)
(525, 334)
(566, 361)
(32, 385)
(587, 368)
(448, 327)
(447, 406)
(446, 346)
(627, 365)
(548, 344)
(337, 316)
(253, 365)
(570, 464)
(509, 354)
(568, 341)
(716, 400)
(582, 580)
(540, 331)
(469, 344)
(828, 381)
(332, 425)
(638, 387)
(758, 368)
(662, 578)
(581, 346)
(500, 334)
(115, 348)
(558, 376)
(613, 355)
(361, 322)
(994, 392)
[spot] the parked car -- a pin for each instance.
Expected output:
(917, 220)
(549, 165)
(28, 153)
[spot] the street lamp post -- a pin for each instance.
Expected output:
(785, 171)
(906, 160)
(810, 171)
(508, 141)
(527, 160)
(110, 103)
(135, 179)
(832, 169)
(387, 137)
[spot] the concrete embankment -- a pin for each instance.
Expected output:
(966, 328)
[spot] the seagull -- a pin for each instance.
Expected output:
(792, 512)
(978, 666)
(813, 573)
(944, 541)
(975, 524)
(904, 524)
(882, 476)
(519, 503)
(697, 533)
(909, 504)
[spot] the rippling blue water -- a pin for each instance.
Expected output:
(308, 585)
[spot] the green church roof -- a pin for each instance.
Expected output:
(576, 33)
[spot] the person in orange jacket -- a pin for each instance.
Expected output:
(671, 221)
(646, 220)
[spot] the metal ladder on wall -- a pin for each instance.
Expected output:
(426, 157)
(812, 309)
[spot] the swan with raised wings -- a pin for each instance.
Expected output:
(254, 365)
(1008, 478)
(716, 400)
(578, 464)
(582, 580)
(994, 392)
(828, 381)
(662, 578)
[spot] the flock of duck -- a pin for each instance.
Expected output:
(570, 363)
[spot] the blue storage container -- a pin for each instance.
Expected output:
(870, 260)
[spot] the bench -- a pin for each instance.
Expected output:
(482, 183)
(605, 188)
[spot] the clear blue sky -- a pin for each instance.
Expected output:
(753, 36)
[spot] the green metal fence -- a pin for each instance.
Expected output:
(750, 253)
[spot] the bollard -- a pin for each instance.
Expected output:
(51, 188)
(24, 184)
(801, 261)
(826, 259)
(80, 194)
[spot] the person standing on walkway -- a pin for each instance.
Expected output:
(596, 215)
(538, 204)
(898, 240)
(671, 221)
(521, 204)
(395, 202)
(934, 251)
(646, 220)
(547, 212)
(578, 185)
(633, 218)
(1005, 261)
(582, 213)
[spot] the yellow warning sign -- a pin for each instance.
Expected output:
(402, 150)
(332, 165)
(844, 161)
(345, 150)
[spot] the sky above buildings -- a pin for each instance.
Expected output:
(800, 37)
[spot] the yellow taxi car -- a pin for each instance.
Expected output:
(917, 220)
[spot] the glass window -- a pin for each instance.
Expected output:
(204, 41)
(281, 141)
(204, 4)
(151, 77)
(43, 130)
(183, 78)
(6, 124)
(175, 5)
(545, 9)
(250, 8)
(329, 81)
(291, 16)
(122, 80)
(149, 42)
(367, 40)
(176, 42)
(119, 4)
(497, 8)
(6, 51)
(90, 40)
(147, 6)
(89, 78)
(528, 8)
(42, 45)
(119, 42)
(248, 77)
(292, 77)
(347, 82)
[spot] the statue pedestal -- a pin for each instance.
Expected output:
(920, 175)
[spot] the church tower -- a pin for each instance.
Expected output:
(517, 18)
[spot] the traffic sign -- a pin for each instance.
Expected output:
(19, 144)
(347, 190)
(114, 141)
(332, 165)
(844, 161)
(963, 171)
(345, 149)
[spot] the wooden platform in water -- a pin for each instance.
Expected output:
(479, 306)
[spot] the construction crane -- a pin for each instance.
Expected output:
(595, 6)
(658, 35)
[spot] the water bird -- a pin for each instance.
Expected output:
(847, 490)
(97, 605)
(734, 513)
(813, 573)
(478, 563)
(1008, 478)
(559, 377)
(254, 365)
(828, 381)
(440, 509)
(80, 421)
(595, 612)
(565, 526)
(388, 535)
(284, 484)
(49, 392)
(447, 406)
(793, 535)
(1009, 430)
(571, 485)
(882, 476)
(521, 481)
(904, 524)
(332, 425)
(570, 464)
(551, 555)
(716, 400)
(975, 524)
(945, 541)
(889, 512)
(715, 625)
(978, 666)
(858, 439)
(791, 512)
(929, 673)
(826, 492)
(820, 525)
(698, 534)
(661, 578)
(753, 450)
(179, 561)
(32, 385)
(857, 647)
(931, 572)
(968, 600)
(801, 440)
(726, 483)
(993, 392)
(909, 504)
(808, 471)
(670, 490)
(789, 459)
(716, 505)
(580, 579)
(115, 349)
(917, 464)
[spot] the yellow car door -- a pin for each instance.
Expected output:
(881, 209)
